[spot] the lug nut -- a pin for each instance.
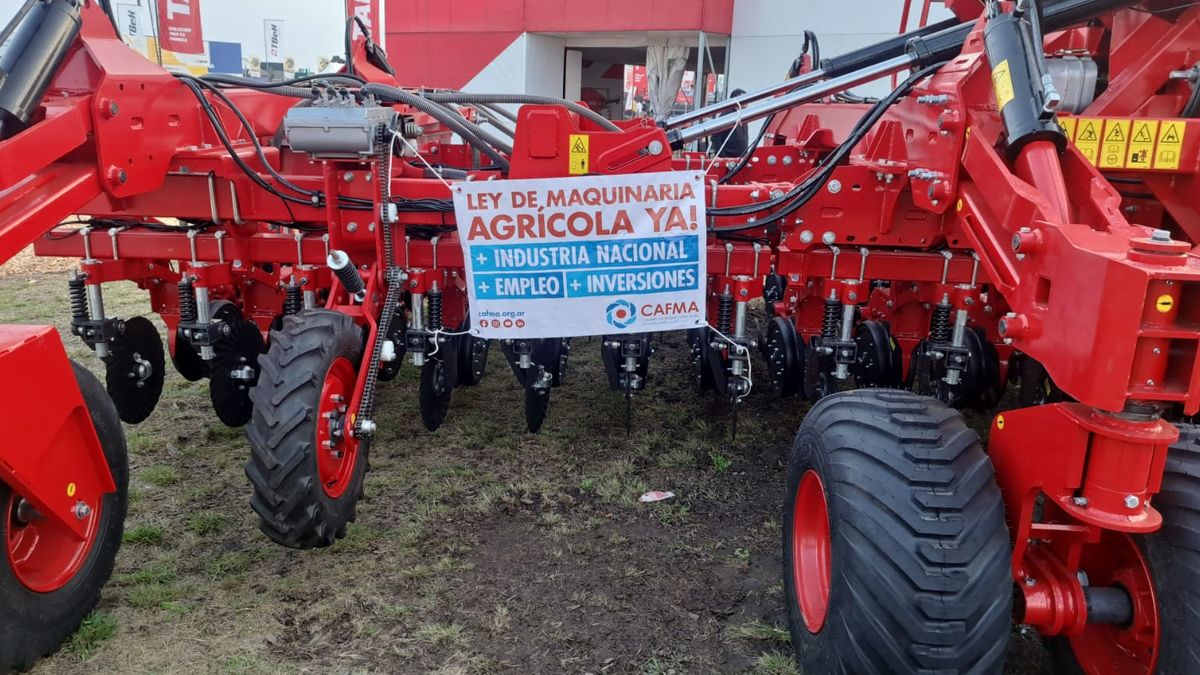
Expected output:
(1132, 501)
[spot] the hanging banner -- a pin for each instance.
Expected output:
(179, 26)
(596, 255)
(368, 11)
(136, 26)
(273, 40)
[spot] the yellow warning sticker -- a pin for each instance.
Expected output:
(1087, 137)
(579, 154)
(1068, 126)
(1141, 144)
(1002, 81)
(1116, 143)
(1170, 145)
(1164, 303)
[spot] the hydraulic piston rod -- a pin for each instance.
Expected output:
(760, 110)
(928, 45)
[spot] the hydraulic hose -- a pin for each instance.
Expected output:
(496, 120)
(522, 99)
(336, 79)
(472, 134)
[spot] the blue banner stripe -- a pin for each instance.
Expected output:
(596, 254)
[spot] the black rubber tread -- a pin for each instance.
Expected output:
(1034, 384)
(1173, 555)
(135, 403)
(293, 508)
(921, 555)
(34, 625)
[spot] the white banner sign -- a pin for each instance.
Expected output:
(273, 40)
(597, 255)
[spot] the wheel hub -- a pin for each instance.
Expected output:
(812, 549)
(339, 449)
(43, 555)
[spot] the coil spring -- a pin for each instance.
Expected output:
(435, 310)
(350, 279)
(188, 311)
(293, 299)
(939, 325)
(725, 313)
(78, 295)
(831, 322)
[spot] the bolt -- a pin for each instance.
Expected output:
(1132, 501)
(828, 238)
(1160, 235)
(349, 176)
(655, 147)
(82, 510)
(1149, 383)
(1030, 581)
(351, 227)
(806, 237)
(1081, 502)
(113, 109)
(835, 186)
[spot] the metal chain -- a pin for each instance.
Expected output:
(392, 273)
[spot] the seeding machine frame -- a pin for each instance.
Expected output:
(1020, 209)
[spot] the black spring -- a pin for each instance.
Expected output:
(435, 310)
(939, 325)
(188, 312)
(293, 299)
(79, 303)
(831, 322)
(350, 279)
(725, 313)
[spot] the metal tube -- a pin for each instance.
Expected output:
(739, 332)
(96, 311)
(204, 318)
(418, 323)
(842, 370)
(953, 375)
(760, 110)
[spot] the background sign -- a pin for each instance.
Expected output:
(179, 26)
(273, 40)
(598, 255)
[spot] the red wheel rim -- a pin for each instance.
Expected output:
(43, 555)
(1111, 649)
(337, 450)
(811, 547)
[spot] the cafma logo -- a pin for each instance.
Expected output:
(622, 314)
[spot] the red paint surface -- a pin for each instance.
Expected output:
(179, 26)
(445, 44)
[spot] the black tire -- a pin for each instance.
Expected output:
(293, 508)
(1173, 556)
(34, 625)
(920, 555)
(1035, 386)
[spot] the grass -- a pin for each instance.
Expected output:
(761, 631)
(97, 629)
(144, 534)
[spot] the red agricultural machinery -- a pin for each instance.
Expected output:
(1015, 213)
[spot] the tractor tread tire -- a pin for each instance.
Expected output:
(293, 508)
(921, 555)
(34, 625)
(1173, 553)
